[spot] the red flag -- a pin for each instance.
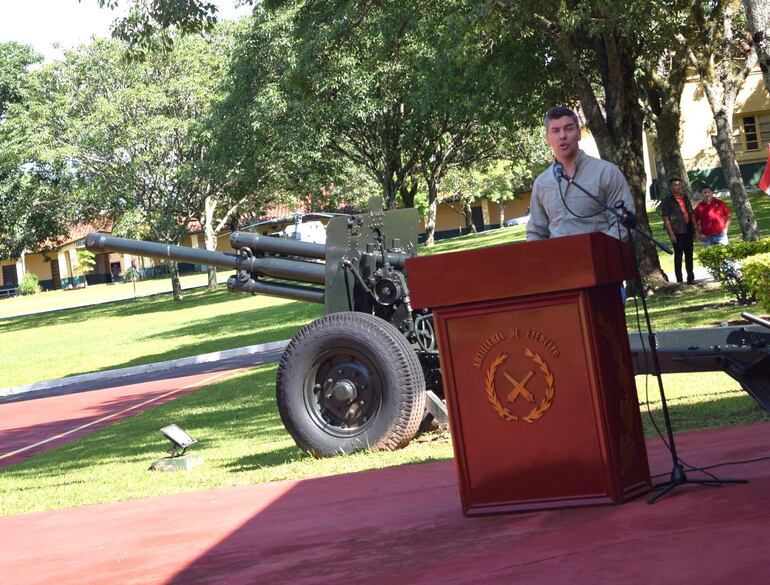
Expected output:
(764, 182)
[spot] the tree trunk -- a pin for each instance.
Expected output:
(723, 143)
(430, 219)
(469, 218)
(408, 190)
(667, 126)
(663, 94)
(758, 17)
(211, 240)
(502, 205)
(176, 285)
(389, 191)
(721, 85)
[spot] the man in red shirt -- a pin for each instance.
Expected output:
(712, 219)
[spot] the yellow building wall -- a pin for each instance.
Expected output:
(450, 221)
(199, 241)
(514, 208)
(38, 266)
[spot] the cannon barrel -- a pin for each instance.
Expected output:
(274, 245)
(311, 272)
(275, 289)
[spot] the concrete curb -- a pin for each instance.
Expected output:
(143, 369)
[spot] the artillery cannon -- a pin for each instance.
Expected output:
(365, 374)
(356, 377)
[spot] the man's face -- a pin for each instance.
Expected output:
(676, 187)
(563, 136)
(707, 195)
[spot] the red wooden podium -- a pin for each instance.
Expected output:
(537, 372)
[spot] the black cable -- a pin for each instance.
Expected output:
(564, 202)
(638, 321)
(646, 358)
(724, 464)
(688, 466)
(647, 364)
(745, 461)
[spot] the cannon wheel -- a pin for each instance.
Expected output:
(350, 381)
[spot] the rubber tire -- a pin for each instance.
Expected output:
(398, 369)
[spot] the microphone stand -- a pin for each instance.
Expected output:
(628, 220)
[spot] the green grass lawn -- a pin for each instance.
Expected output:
(236, 422)
(141, 331)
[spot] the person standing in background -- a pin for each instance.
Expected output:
(712, 219)
(678, 220)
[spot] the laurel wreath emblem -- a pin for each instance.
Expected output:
(537, 411)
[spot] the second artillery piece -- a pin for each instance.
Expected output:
(356, 377)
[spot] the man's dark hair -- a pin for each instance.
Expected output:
(674, 180)
(560, 112)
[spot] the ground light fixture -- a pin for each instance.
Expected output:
(180, 439)
(178, 460)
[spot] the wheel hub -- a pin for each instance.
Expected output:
(346, 393)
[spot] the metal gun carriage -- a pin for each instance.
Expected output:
(366, 374)
(358, 377)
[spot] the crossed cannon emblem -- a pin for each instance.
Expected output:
(519, 387)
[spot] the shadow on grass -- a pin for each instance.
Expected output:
(496, 237)
(265, 459)
(685, 307)
(719, 412)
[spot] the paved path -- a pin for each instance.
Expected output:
(239, 357)
(403, 525)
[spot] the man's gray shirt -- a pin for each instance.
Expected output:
(552, 217)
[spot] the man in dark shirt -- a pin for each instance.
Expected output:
(678, 219)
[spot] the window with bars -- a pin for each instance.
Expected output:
(751, 133)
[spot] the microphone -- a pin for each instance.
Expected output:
(559, 174)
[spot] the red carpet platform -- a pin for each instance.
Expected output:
(404, 525)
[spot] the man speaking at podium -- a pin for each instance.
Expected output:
(557, 207)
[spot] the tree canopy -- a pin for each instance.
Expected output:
(326, 100)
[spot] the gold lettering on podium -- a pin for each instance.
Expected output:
(484, 348)
(549, 345)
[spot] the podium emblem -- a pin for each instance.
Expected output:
(520, 388)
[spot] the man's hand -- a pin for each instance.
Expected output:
(629, 219)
